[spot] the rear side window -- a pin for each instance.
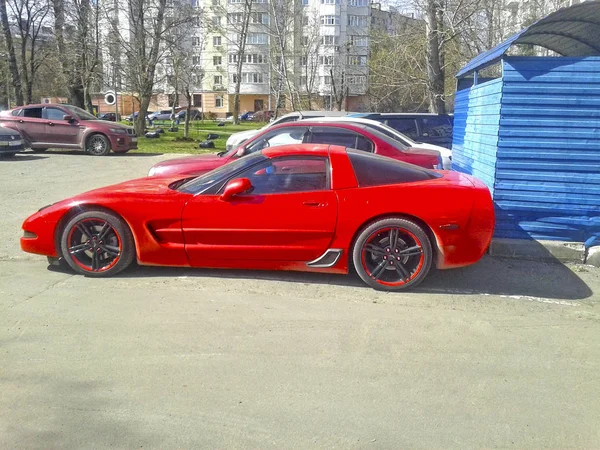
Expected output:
(344, 138)
(375, 170)
(405, 126)
(35, 113)
(437, 126)
(16, 112)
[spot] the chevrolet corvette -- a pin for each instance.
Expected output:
(315, 208)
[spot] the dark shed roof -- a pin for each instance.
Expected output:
(573, 31)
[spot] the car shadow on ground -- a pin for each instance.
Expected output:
(492, 275)
(111, 154)
(20, 157)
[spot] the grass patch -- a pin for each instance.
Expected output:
(175, 143)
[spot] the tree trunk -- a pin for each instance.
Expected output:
(12, 59)
(239, 67)
(435, 72)
(188, 111)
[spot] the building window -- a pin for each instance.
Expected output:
(215, 2)
(250, 78)
(356, 79)
(197, 100)
(216, 21)
(327, 60)
(304, 2)
(257, 38)
(357, 3)
(326, 80)
(196, 41)
(330, 20)
(260, 18)
(233, 58)
(235, 17)
(330, 2)
(219, 101)
(218, 79)
(197, 21)
(305, 41)
(303, 80)
(195, 60)
(304, 60)
(330, 40)
(357, 21)
(216, 41)
(355, 60)
(217, 60)
(359, 41)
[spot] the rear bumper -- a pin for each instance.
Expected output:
(12, 146)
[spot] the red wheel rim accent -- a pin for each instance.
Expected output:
(94, 245)
(392, 256)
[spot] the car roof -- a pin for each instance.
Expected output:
(317, 122)
(315, 114)
(395, 114)
(302, 149)
(41, 105)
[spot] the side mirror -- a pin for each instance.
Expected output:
(240, 152)
(235, 187)
(67, 118)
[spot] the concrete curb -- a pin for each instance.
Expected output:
(573, 252)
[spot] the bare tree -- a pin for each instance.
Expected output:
(10, 48)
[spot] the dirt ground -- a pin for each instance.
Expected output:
(503, 354)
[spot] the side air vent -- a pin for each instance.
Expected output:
(327, 259)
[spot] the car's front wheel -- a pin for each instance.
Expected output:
(97, 243)
(392, 254)
(97, 145)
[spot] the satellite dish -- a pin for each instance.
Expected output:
(110, 98)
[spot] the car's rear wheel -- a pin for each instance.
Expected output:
(39, 150)
(97, 243)
(97, 145)
(392, 254)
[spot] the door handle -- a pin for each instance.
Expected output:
(21, 121)
(51, 124)
(314, 204)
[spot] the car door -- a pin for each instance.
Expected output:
(289, 215)
(58, 130)
(31, 125)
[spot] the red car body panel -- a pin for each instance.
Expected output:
(279, 231)
(197, 165)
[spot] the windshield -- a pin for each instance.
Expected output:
(79, 113)
(203, 182)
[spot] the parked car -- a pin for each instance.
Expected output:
(164, 114)
(238, 138)
(263, 116)
(422, 127)
(351, 135)
(65, 126)
(194, 115)
(248, 115)
(133, 116)
(314, 208)
(112, 117)
(11, 142)
(445, 153)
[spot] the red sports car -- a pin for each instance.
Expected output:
(303, 207)
(347, 134)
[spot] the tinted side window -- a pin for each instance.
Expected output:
(374, 170)
(405, 126)
(53, 113)
(17, 112)
(35, 113)
(333, 137)
(291, 174)
(437, 126)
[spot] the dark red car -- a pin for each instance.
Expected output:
(351, 135)
(65, 126)
(315, 208)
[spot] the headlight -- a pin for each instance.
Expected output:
(118, 130)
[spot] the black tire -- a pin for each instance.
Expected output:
(93, 250)
(121, 152)
(39, 150)
(97, 145)
(389, 266)
(7, 155)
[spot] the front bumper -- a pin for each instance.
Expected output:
(11, 146)
(123, 142)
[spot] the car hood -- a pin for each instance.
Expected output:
(8, 132)
(138, 187)
(190, 165)
(237, 138)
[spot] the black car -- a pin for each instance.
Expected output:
(421, 127)
(11, 142)
(113, 117)
(194, 115)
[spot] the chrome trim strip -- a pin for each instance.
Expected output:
(316, 263)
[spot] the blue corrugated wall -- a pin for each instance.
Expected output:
(547, 158)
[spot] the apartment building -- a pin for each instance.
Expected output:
(314, 51)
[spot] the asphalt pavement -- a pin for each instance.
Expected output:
(503, 354)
